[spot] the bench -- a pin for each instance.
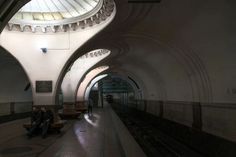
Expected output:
(81, 106)
(82, 109)
(69, 113)
(57, 126)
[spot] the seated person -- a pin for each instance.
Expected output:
(47, 120)
(36, 118)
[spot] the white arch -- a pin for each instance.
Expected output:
(92, 83)
(87, 79)
(137, 92)
(78, 69)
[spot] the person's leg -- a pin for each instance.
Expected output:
(89, 110)
(45, 129)
(33, 129)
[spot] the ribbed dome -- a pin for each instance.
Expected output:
(60, 15)
(41, 11)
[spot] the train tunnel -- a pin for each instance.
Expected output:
(117, 78)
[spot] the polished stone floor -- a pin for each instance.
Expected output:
(93, 136)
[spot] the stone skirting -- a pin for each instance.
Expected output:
(10, 108)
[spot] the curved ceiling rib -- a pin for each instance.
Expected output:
(65, 8)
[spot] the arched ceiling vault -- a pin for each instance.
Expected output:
(128, 52)
(125, 73)
(15, 83)
(190, 32)
(186, 57)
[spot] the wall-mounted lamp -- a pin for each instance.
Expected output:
(44, 50)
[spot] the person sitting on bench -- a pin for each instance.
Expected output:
(47, 120)
(36, 118)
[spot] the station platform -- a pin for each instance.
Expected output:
(100, 135)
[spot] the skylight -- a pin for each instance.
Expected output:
(52, 10)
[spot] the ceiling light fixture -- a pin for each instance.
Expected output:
(44, 50)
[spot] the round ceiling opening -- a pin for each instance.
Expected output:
(56, 11)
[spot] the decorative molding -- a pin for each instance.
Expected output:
(100, 13)
(95, 53)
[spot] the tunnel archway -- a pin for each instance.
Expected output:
(137, 92)
(87, 79)
(115, 86)
(15, 93)
(92, 84)
(78, 70)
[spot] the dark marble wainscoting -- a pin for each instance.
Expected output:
(10, 111)
(15, 116)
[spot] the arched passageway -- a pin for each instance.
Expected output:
(15, 92)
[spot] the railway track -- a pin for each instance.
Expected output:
(153, 142)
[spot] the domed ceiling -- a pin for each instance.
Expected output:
(56, 11)
(60, 15)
